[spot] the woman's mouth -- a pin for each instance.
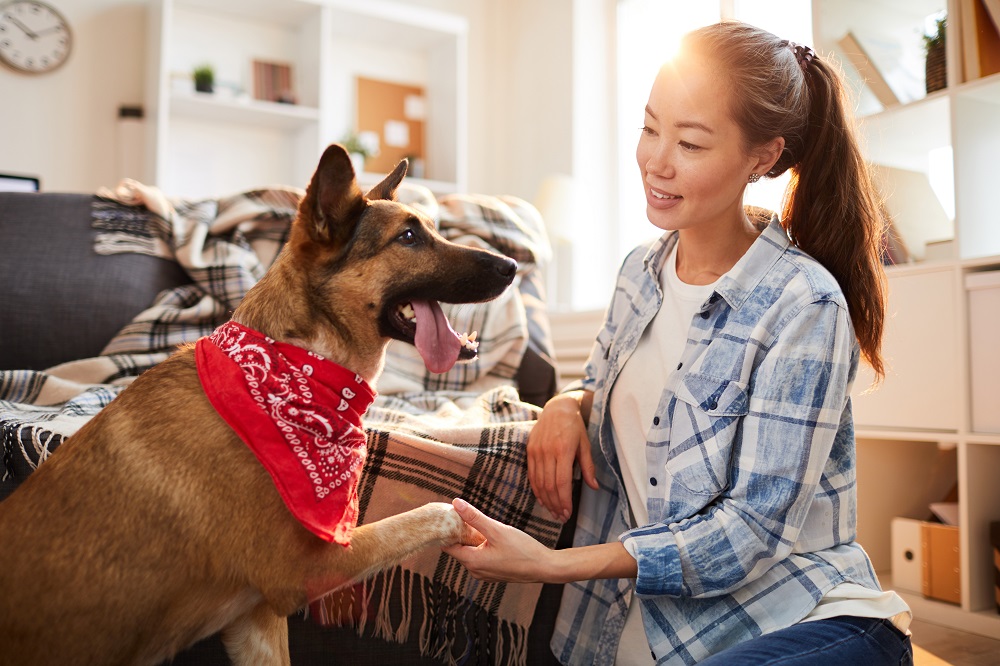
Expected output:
(660, 199)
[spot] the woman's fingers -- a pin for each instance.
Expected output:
(507, 554)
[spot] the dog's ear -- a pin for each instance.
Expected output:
(387, 188)
(334, 200)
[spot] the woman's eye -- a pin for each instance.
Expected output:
(688, 146)
(646, 130)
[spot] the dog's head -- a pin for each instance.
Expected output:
(376, 269)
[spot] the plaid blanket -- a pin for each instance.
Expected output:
(430, 437)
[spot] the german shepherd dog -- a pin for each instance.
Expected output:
(155, 525)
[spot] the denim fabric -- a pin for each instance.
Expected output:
(832, 642)
(750, 456)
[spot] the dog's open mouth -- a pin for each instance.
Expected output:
(436, 341)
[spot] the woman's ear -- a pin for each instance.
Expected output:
(767, 154)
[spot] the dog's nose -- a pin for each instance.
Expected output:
(507, 268)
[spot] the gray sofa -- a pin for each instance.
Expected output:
(62, 301)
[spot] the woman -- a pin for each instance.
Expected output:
(720, 470)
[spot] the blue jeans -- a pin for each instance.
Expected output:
(834, 642)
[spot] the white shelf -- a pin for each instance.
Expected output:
(212, 108)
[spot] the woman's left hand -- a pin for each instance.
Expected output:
(507, 554)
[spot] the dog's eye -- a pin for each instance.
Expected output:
(408, 237)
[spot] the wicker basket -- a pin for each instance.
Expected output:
(935, 72)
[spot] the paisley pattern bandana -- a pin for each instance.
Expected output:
(300, 414)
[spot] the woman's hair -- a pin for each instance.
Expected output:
(831, 208)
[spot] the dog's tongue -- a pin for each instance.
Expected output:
(436, 341)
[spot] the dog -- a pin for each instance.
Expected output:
(157, 524)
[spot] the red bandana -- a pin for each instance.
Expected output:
(300, 415)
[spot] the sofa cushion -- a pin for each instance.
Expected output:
(61, 300)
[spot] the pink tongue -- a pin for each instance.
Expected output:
(435, 340)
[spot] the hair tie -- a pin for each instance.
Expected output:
(803, 54)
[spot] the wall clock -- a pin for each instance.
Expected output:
(34, 37)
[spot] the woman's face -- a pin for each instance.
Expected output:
(691, 153)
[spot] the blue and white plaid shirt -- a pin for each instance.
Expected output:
(750, 456)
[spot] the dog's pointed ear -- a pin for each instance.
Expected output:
(333, 201)
(387, 188)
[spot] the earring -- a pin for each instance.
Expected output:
(754, 177)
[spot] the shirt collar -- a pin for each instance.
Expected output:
(740, 280)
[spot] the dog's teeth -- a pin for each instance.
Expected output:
(407, 311)
(468, 340)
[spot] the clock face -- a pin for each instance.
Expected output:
(34, 37)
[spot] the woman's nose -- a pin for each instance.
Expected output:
(656, 161)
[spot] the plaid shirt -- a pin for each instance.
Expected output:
(750, 457)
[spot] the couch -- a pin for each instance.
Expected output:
(63, 302)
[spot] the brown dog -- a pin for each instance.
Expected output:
(155, 525)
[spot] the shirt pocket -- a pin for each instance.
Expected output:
(703, 429)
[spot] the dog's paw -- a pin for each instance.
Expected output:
(453, 529)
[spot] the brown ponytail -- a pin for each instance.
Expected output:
(832, 210)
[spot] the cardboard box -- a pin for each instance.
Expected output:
(907, 554)
(941, 569)
(925, 559)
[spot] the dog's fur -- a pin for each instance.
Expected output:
(155, 526)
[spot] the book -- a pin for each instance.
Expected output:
(857, 56)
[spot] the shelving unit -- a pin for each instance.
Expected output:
(936, 155)
(212, 144)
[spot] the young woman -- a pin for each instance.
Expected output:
(717, 520)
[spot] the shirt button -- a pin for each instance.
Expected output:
(712, 404)
(656, 420)
(705, 314)
(652, 481)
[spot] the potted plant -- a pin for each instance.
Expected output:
(935, 65)
(361, 146)
(204, 78)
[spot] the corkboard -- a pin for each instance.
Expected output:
(381, 103)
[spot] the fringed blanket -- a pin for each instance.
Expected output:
(430, 437)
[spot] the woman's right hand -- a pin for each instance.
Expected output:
(556, 442)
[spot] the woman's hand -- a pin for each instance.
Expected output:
(557, 441)
(507, 554)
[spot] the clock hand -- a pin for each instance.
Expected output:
(28, 31)
(42, 32)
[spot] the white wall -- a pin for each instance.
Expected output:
(62, 126)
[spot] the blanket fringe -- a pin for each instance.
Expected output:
(452, 628)
(42, 443)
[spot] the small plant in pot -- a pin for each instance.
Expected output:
(204, 78)
(361, 146)
(935, 72)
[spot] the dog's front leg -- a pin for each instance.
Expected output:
(387, 542)
(258, 637)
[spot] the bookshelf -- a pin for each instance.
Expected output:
(204, 145)
(935, 155)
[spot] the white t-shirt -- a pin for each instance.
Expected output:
(633, 403)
